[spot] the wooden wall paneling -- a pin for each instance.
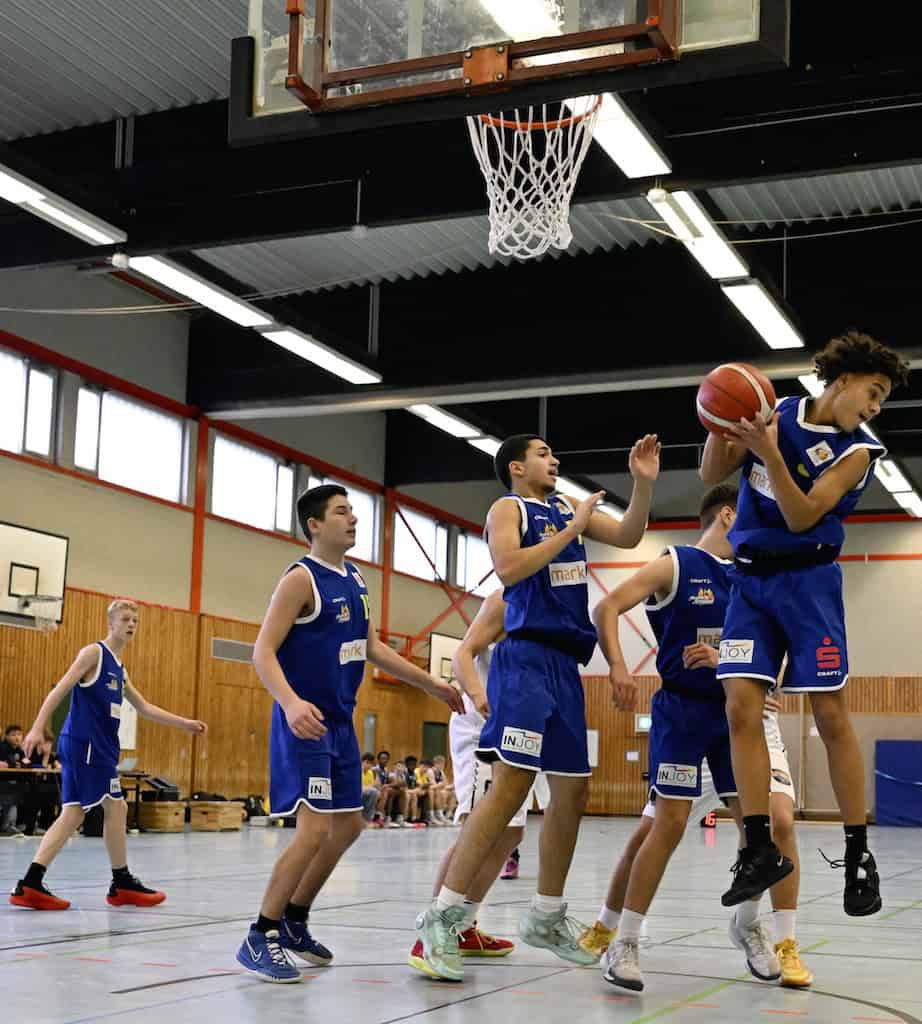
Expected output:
(401, 711)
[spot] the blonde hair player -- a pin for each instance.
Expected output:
(88, 748)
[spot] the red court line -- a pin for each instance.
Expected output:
(32, 956)
(146, 963)
(790, 1013)
(91, 959)
(894, 1020)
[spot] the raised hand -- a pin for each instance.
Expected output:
(583, 511)
(644, 459)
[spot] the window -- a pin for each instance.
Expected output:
(365, 506)
(431, 535)
(13, 406)
(86, 437)
(39, 412)
(141, 448)
(474, 563)
(251, 486)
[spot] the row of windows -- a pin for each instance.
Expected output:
(131, 444)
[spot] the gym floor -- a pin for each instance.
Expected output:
(176, 961)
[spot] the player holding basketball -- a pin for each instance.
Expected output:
(89, 750)
(537, 716)
(687, 590)
(310, 655)
(803, 472)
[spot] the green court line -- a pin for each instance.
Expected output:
(816, 945)
(893, 913)
(695, 998)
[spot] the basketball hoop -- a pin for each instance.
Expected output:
(44, 609)
(530, 162)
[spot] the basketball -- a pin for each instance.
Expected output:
(732, 392)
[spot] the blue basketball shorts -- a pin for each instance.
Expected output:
(537, 710)
(87, 776)
(324, 774)
(685, 732)
(799, 613)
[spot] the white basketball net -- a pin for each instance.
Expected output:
(44, 611)
(530, 160)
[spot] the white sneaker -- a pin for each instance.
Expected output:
(622, 965)
(395, 823)
(758, 949)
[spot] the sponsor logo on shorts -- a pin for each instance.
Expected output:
(828, 658)
(115, 710)
(344, 614)
(709, 635)
(567, 574)
(702, 596)
(736, 652)
(319, 788)
(352, 651)
(683, 775)
(820, 453)
(758, 481)
(782, 778)
(522, 741)
(115, 786)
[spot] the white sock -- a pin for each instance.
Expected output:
(784, 921)
(609, 918)
(449, 898)
(471, 909)
(748, 913)
(630, 925)
(547, 904)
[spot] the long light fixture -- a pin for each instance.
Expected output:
(445, 421)
(890, 475)
(761, 310)
(811, 384)
(911, 502)
(488, 445)
(199, 290)
(693, 226)
(315, 352)
(23, 192)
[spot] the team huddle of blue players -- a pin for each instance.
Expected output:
(762, 587)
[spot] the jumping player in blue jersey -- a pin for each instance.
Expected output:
(310, 655)
(88, 748)
(803, 472)
(537, 716)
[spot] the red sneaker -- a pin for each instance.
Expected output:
(36, 898)
(474, 942)
(417, 959)
(131, 893)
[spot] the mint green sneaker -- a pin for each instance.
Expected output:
(556, 932)
(437, 931)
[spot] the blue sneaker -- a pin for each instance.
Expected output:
(296, 938)
(263, 955)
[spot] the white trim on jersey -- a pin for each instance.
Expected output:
(90, 682)
(316, 810)
(676, 575)
(328, 565)
(854, 448)
(816, 428)
(318, 601)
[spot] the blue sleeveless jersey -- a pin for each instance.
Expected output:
(554, 602)
(323, 656)
(96, 709)
(693, 612)
(808, 451)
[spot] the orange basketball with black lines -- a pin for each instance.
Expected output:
(733, 392)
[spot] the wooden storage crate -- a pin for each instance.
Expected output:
(162, 815)
(215, 815)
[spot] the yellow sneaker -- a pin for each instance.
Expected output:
(595, 940)
(793, 972)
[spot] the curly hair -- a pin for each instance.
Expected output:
(855, 352)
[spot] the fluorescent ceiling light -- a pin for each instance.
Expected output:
(571, 489)
(760, 309)
(486, 444)
(911, 502)
(444, 421)
(624, 139)
(693, 226)
(16, 189)
(889, 474)
(811, 384)
(199, 290)
(314, 352)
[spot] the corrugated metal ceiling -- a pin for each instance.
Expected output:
(849, 194)
(81, 62)
(321, 262)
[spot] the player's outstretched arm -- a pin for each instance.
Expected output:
(153, 713)
(85, 663)
(512, 562)
(654, 578)
(720, 459)
(644, 464)
(380, 654)
(801, 511)
(293, 597)
(486, 629)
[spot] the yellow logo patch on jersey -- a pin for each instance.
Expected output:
(802, 469)
(550, 530)
(344, 614)
(704, 596)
